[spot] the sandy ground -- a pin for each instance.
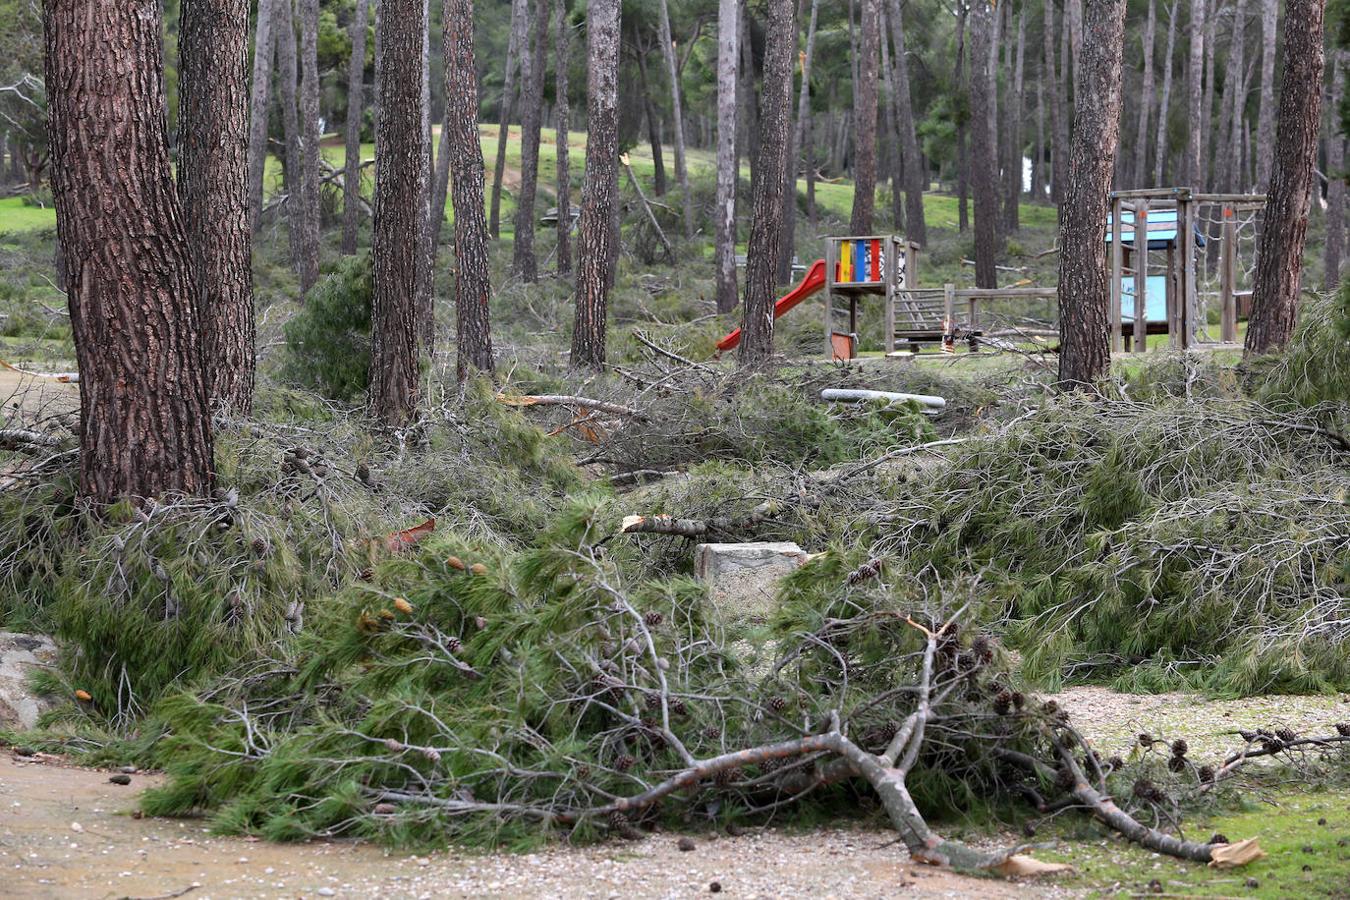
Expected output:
(36, 394)
(67, 832)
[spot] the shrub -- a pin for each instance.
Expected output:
(328, 342)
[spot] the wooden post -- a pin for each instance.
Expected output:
(1140, 276)
(1228, 279)
(1117, 261)
(1171, 284)
(948, 307)
(891, 274)
(1179, 327)
(831, 260)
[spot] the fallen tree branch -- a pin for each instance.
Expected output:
(25, 441)
(695, 528)
(570, 400)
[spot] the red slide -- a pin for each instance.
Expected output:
(812, 282)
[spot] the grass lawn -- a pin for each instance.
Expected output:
(15, 216)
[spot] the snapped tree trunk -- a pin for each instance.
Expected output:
(766, 224)
(212, 179)
(533, 63)
(514, 47)
(260, 97)
(916, 227)
(1145, 100)
(1084, 320)
(1335, 242)
(1164, 104)
(724, 213)
(563, 40)
(597, 232)
(396, 248)
(1265, 117)
(356, 88)
(1279, 247)
(308, 262)
(676, 114)
(984, 163)
(473, 287)
(865, 119)
(145, 417)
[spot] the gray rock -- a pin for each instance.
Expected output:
(20, 655)
(743, 578)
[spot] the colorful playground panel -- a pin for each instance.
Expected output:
(1155, 299)
(860, 262)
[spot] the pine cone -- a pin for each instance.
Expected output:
(625, 762)
(777, 704)
(712, 732)
(726, 776)
(653, 618)
(867, 570)
(1003, 703)
(677, 706)
(1219, 839)
(1177, 764)
(1146, 790)
(1019, 699)
(260, 546)
(454, 645)
(1286, 734)
(1272, 745)
(1343, 729)
(1146, 739)
(1179, 747)
(366, 574)
(653, 701)
(984, 648)
(1064, 780)
(1206, 774)
(1116, 763)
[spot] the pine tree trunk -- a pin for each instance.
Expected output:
(396, 248)
(653, 127)
(1195, 142)
(533, 64)
(1058, 148)
(308, 267)
(356, 88)
(1279, 248)
(865, 115)
(213, 172)
(749, 100)
(260, 97)
(1207, 104)
(515, 46)
(440, 187)
(1085, 324)
(563, 40)
(1038, 164)
(473, 287)
(766, 223)
(290, 117)
(676, 115)
(597, 234)
(724, 215)
(1335, 242)
(1265, 118)
(1234, 100)
(1011, 217)
(1145, 100)
(1160, 151)
(984, 163)
(962, 128)
(806, 121)
(787, 245)
(426, 270)
(889, 156)
(145, 418)
(916, 227)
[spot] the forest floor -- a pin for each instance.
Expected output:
(68, 832)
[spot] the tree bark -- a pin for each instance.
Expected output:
(865, 119)
(473, 286)
(1013, 175)
(984, 163)
(962, 125)
(440, 187)
(1145, 100)
(1160, 151)
(514, 47)
(806, 142)
(1335, 241)
(290, 117)
(1195, 142)
(1207, 104)
(145, 418)
(308, 263)
(264, 52)
(356, 88)
(916, 227)
(1085, 324)
(653, 125)
(426, 270)
(533, 64)
(1233, 100)
(1279, 249)
(676, 115)
(563, 40)
(213, 172)
(766, 225)
(1265, 119)
(748, 104)
(1058, 146)
(724, 214)
(396, 249)
(597, 234)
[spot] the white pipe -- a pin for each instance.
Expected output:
(851, 395)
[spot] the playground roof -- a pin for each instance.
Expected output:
(1162, 229)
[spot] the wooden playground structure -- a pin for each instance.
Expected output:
(1193, 233)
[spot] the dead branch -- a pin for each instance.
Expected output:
(23, 441)
(570, 400)
(696, 528)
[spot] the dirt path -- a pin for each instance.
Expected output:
(111, 854)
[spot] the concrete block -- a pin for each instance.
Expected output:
(743, 578)
(20, 655)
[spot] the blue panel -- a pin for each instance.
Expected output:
(1155, 299)
(860, 261)
(1159, 238)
